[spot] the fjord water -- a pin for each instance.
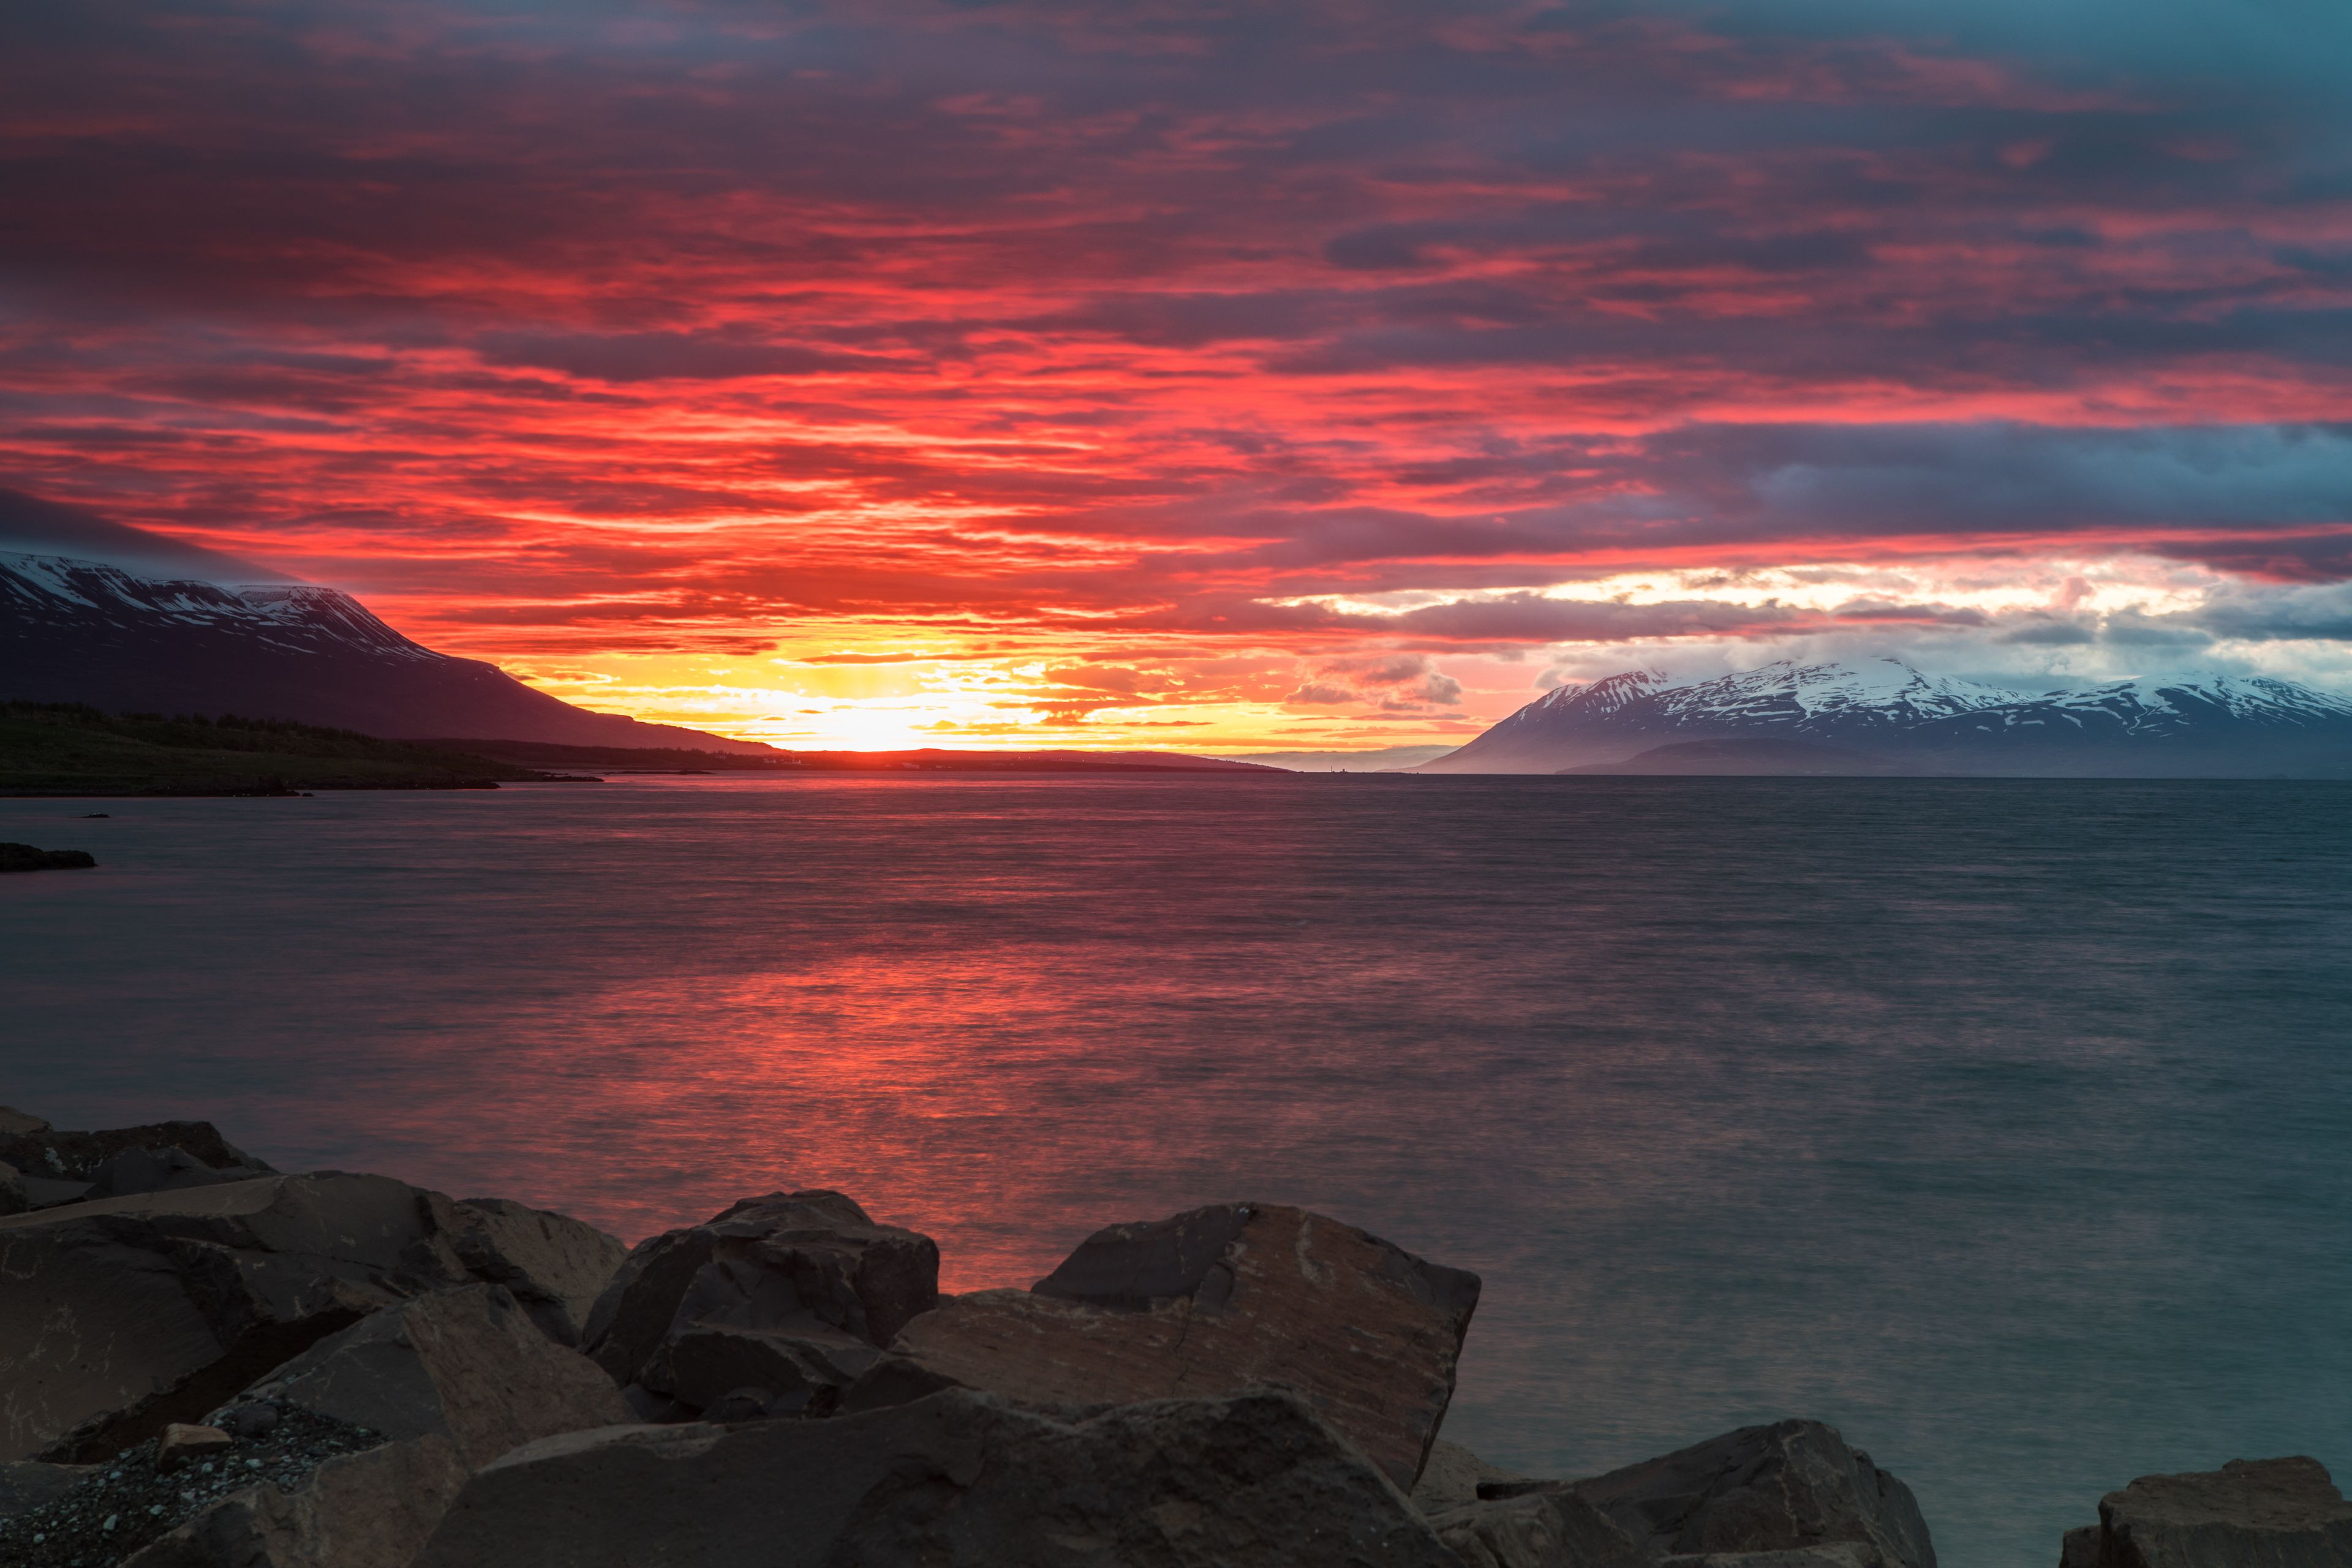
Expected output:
(2006, 1124)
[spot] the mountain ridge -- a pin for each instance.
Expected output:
(2207, 725)
(85, 631)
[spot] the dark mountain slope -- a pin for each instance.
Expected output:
(79, 631)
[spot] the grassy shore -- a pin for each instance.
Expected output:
(69, 750)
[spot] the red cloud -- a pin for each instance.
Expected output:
(1008, 323)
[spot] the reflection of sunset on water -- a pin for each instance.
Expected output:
(1683, 1067)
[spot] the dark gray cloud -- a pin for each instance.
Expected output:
(667, 356)
(37, 527)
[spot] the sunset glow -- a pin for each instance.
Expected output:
(1189, 377)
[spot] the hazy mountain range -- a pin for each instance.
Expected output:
(1883, 716)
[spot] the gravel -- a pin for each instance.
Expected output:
(124, 1504)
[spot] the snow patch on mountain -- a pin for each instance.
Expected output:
(1890, 709)
(292, 616)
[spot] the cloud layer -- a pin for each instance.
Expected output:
(1081, 364)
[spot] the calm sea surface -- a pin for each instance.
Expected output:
(2007, 1125)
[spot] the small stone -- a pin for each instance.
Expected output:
(182, 1442)
(256, 1418)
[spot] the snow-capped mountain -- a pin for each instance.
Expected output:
(84, 631)
(1900, 719)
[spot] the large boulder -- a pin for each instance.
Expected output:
(161, 1171)
(1789, 1486)
(126, 1314)
(1214, 1301)
(1829, 1554)
(958, 1476)
(1452, 1475)
(372, 1510)
(466, 1364)
(781, 1301)
(346, 1456)
(40, 1150)
(14, 1199)
(556, 1266)
(1553, 1527)
(2251, 1513)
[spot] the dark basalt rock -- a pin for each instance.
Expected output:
(40, 1150)
(2278, 1513)
(1453, 1475)
(792, 1295)
(466, 1364)
(1790, 1486)
(344, 1458)
(1830, 1554)
(125, 1314)
(161, 1171)
(25, 857)
(370, 1510)
(1213, 1301)
(1549, 1529)
(556, 1266)
(957, 1478)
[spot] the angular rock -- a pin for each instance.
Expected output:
(1789, 1486)
(160, 1171)
(1549, 1529)
(12, 1198)
(124, 1314)
(1214, 1301)
(183, 1444)
(795, 1374)
(1453, 1475)
(373, 1509)
(49, 1192)
(2276, 1513)
(162, 1305)
(556, 1266)
(41, 1150)
(792, 1294)
(27, 1484)
(248, 1419)
(1835, 1554)
(14, 1122)
(466, 1364)
(957, 1478)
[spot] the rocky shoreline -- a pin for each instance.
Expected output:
(208, 1364)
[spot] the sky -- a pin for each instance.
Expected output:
(1325, 374)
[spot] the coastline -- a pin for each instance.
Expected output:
(475, 1382)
